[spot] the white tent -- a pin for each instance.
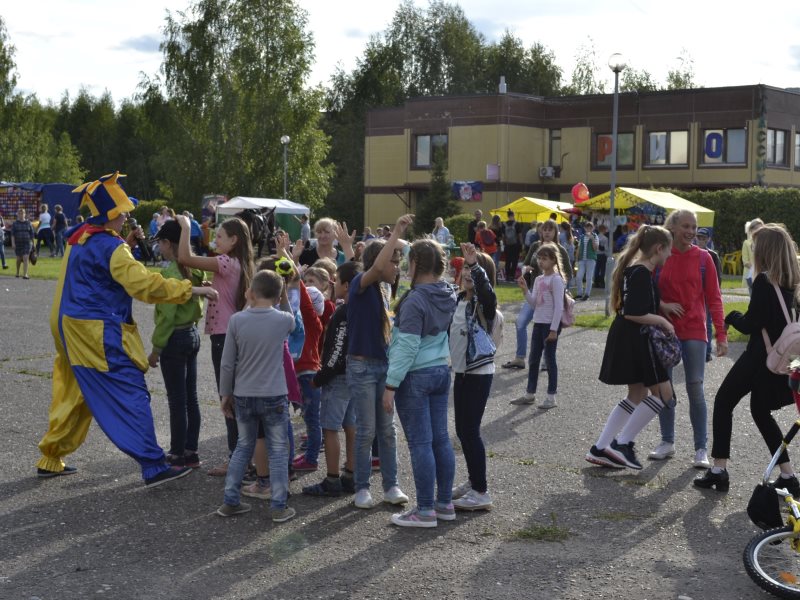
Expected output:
(239, 203)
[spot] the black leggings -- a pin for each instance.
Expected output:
(217, 344)
(743, 379)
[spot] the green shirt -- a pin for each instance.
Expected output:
(170, 316)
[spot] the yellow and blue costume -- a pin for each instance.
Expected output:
(100, 359)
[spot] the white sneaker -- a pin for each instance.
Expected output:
(550, 402)
(459, 491)
(395, 495)
(363, 499)
(662, 451)
(701, 459)
(473, 500)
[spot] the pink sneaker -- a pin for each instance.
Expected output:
(301, 464)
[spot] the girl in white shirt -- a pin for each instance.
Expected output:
(547, 300)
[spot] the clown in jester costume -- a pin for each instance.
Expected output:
(100, 359)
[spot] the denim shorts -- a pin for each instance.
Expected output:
(336, 410)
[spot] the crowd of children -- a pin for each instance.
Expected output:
(321, 336)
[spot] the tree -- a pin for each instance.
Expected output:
(439, 201)
(585, 74)
(633, 80)
(234, 73)
(531, 71)
(681, 77)
(8, 76)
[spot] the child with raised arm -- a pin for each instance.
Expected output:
(253, 389)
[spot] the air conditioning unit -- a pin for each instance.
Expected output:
(547, 172)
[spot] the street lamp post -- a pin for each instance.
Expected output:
(285, 139)
(616, 63)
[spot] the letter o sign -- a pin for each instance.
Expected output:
(714, 145)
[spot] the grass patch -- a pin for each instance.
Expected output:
(48, 268)
(543, 533)
(526, 462)
(508, 294)
(35, 373)
(596, 320)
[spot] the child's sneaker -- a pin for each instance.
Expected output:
(445, 512)
(166, 476)
(326, 487)
(625, 453)
(192, 460)
(363, 499)
(281, 515)
(254, 490)
(226, 510)
(461, 490)
(603, 458)
(524, 400)
(413, 518)
(394, 495)
(550, 402)
(301, 464)
(473, 500)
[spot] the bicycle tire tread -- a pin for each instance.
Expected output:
(752, 571)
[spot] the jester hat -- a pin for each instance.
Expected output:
(105, 198)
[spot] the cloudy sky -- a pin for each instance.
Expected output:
(62, 45)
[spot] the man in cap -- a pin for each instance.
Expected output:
(473, 225)
(100, 359)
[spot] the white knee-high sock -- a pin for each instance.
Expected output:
(616, 421)
(647, 410)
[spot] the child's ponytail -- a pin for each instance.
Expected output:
(645, 240)
(243, 252)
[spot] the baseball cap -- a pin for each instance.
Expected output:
(705, 231)
(170, 231)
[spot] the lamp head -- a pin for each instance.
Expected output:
(285, 139)
(617, 62)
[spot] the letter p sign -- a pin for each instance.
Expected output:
(604, 148)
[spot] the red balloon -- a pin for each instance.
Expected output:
(580, 192)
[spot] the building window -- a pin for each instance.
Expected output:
(776, 148)
(426, 146)
(667, 148)
(725, 147)
(555, 147)
(604, 145)
(797, 150)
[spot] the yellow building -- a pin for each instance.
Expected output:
(509, 145)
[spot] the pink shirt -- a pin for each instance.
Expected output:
(547, 300)
(226, 282)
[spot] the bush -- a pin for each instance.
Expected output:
(143, 212)
(734, 207)
(459, 227)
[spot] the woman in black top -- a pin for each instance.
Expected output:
(775, 261)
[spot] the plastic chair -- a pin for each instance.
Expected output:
(732, 263)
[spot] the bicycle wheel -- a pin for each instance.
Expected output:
(773, 564)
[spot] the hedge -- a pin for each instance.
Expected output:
(459, 227)
(734, 207)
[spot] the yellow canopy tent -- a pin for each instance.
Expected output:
(625, 198)
(534, 209)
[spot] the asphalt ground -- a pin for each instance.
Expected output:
(560, 527)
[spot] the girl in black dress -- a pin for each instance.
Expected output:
(774, 264)
(628, 358)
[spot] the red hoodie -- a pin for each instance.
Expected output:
(679, 281)
(309, 357)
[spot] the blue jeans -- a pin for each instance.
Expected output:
(366, 378)
(421, 403)
(179, 369)
(585, 270)
(524, 318)
(470, 393)
(708, 331)
(3, 252)
(273, 413)
(60, 242)
(311, 417)
(693, 354)
(539, 346)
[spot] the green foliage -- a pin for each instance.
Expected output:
(681, 76)
(734, 207)
(234, 74)
(527, 71)
(459, 227)
(145, 209)
(8, 76)
(633, 80)
(439, 201)
(586, 77)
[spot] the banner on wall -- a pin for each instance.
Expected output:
(468, 191)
